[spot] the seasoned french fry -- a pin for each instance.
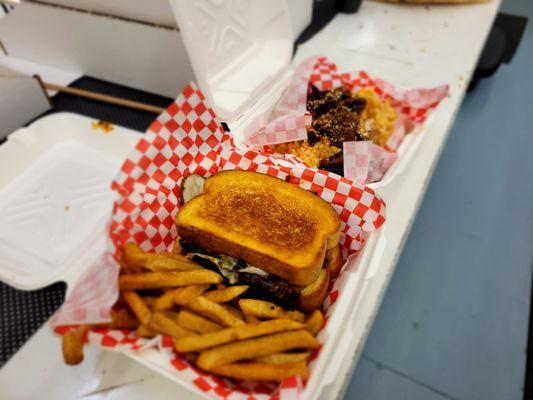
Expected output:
(202, 342)
(314, 322)
(149, 300)
(72, 346)
(210, 329)
(165, 301)
(170, 262)
(122, 319)
(138, 306)
(145, 332)
(225, 295)
(176, 247)
(196, 323)
(134, 257)
(215, 329)
(253, 348)
(266, 310)
(186, 294)
(259, 371)
(159, 280)
(234, 310)
(285, 358)
(214, 311)
(251, 319)
(173, 315)
(165, 325)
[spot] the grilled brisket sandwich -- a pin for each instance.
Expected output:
(260, 231)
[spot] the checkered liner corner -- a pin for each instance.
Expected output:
(325, 76)
(366, 161)
(188, 138)
(289, 118)
(92, 298)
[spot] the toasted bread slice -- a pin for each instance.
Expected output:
(313, 296)
(336, 262)
(267, 222)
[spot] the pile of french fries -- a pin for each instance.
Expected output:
(214, 326)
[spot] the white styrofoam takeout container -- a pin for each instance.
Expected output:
(241, 54)
(407, 149)
(336, 336)
(58, 224)
(242, 61)
(55, 181)
(55, 198)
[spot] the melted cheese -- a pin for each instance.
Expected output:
(226, 266)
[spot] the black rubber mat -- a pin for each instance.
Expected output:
(127, 117)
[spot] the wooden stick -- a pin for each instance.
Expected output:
(104, 97)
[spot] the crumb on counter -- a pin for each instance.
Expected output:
(102, 125)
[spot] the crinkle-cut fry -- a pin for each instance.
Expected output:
(214, 312)
(266, 310)
(72, 345)
(196, 323)
(254, 348)
(123, 319)
(170, 279)
(225, 295)
(176, 247)
(188, 293)
(138, 307)
(259, 371)
(133, 257)
(164, 324)
(285, 358)
(166, 300)
(251, 319)
(145, 332)
(207, 340)
(170, 262)
(314, 322)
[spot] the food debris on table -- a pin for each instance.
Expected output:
(102, 125)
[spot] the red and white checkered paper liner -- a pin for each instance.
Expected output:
(187, 138)
(93, 297)
(289, 119)
(367, 164)
(366, 161)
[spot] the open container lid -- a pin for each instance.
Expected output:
(55, 191)
(237, 49)
(56, 198)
